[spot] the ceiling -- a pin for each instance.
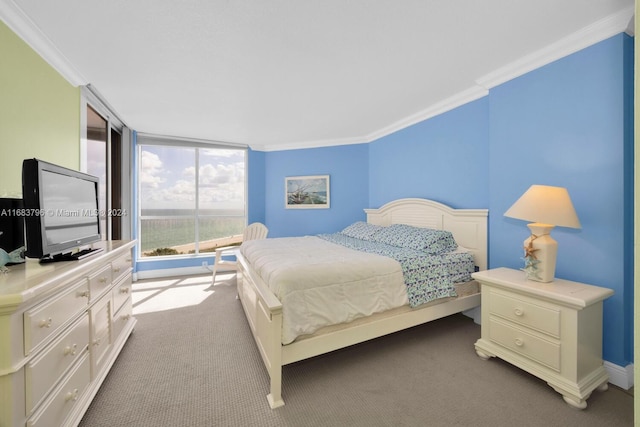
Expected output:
(286, 74)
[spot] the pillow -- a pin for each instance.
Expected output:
(361, 230)
(422, 239)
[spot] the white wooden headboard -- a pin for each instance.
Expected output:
(468, 226)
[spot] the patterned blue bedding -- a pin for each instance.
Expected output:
(428, 277)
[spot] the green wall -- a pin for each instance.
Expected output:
(39, 113)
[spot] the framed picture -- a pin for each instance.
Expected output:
(307, 192)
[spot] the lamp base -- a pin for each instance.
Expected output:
(540, 251)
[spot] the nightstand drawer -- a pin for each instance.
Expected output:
(525, 312)
(528, 345)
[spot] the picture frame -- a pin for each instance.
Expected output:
(307, 192)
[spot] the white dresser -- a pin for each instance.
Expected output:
(551, 330)
(62, 325)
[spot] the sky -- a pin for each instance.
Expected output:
(167, 178)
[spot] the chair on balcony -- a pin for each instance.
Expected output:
(254, 231)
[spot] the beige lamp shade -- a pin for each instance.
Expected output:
(546, 205)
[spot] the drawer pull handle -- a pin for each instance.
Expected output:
(124, 290)
(126, 316)
(102, 280)
(46, 323)
(96, 342)
(518, 312)
(519, 342)
(116, 269)
(70, 350)
(72, 395)
(83, 294)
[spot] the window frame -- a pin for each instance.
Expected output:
(142, 140)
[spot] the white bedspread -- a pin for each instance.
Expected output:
(310, 275)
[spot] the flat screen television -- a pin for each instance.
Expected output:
(60, 210)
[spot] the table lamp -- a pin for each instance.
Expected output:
(546, 207)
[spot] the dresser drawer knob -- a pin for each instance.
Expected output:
(518, 312)
(96, 342)
(126, 317)
(83, 294)
(72, 395)
(102, 280)
(519, 342)
(116, 269)
(70, 350)
(124, 290)
(46, 323)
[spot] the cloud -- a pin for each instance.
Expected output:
(221, 183)
(150, 168)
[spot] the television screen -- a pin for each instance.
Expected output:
(70, 207)
(60, 211)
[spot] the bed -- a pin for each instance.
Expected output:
(269, 317)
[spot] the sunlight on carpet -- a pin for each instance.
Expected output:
(152, 295)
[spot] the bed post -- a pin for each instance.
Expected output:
(275, 360)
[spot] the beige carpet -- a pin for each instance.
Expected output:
(198, 366)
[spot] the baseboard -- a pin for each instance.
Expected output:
(620, 376)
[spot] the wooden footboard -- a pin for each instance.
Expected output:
(264, 314)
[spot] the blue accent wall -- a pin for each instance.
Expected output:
(569, 123)
(565, 125)
(347, 167)
(444, 159)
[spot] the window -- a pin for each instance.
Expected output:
(105, 152)
(191, 197)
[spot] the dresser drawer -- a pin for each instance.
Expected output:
(46, 319)
(57, 408)
(100, 282)
(122, 292)
(121, 318)
(43, 372)
(525, 312)
(120, 267)
(517, 340)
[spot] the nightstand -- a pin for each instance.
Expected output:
(551, 330)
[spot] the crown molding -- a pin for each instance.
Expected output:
(448, 104)
(457, 100)
(28, 31)
(590, 35)
(265, 146)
